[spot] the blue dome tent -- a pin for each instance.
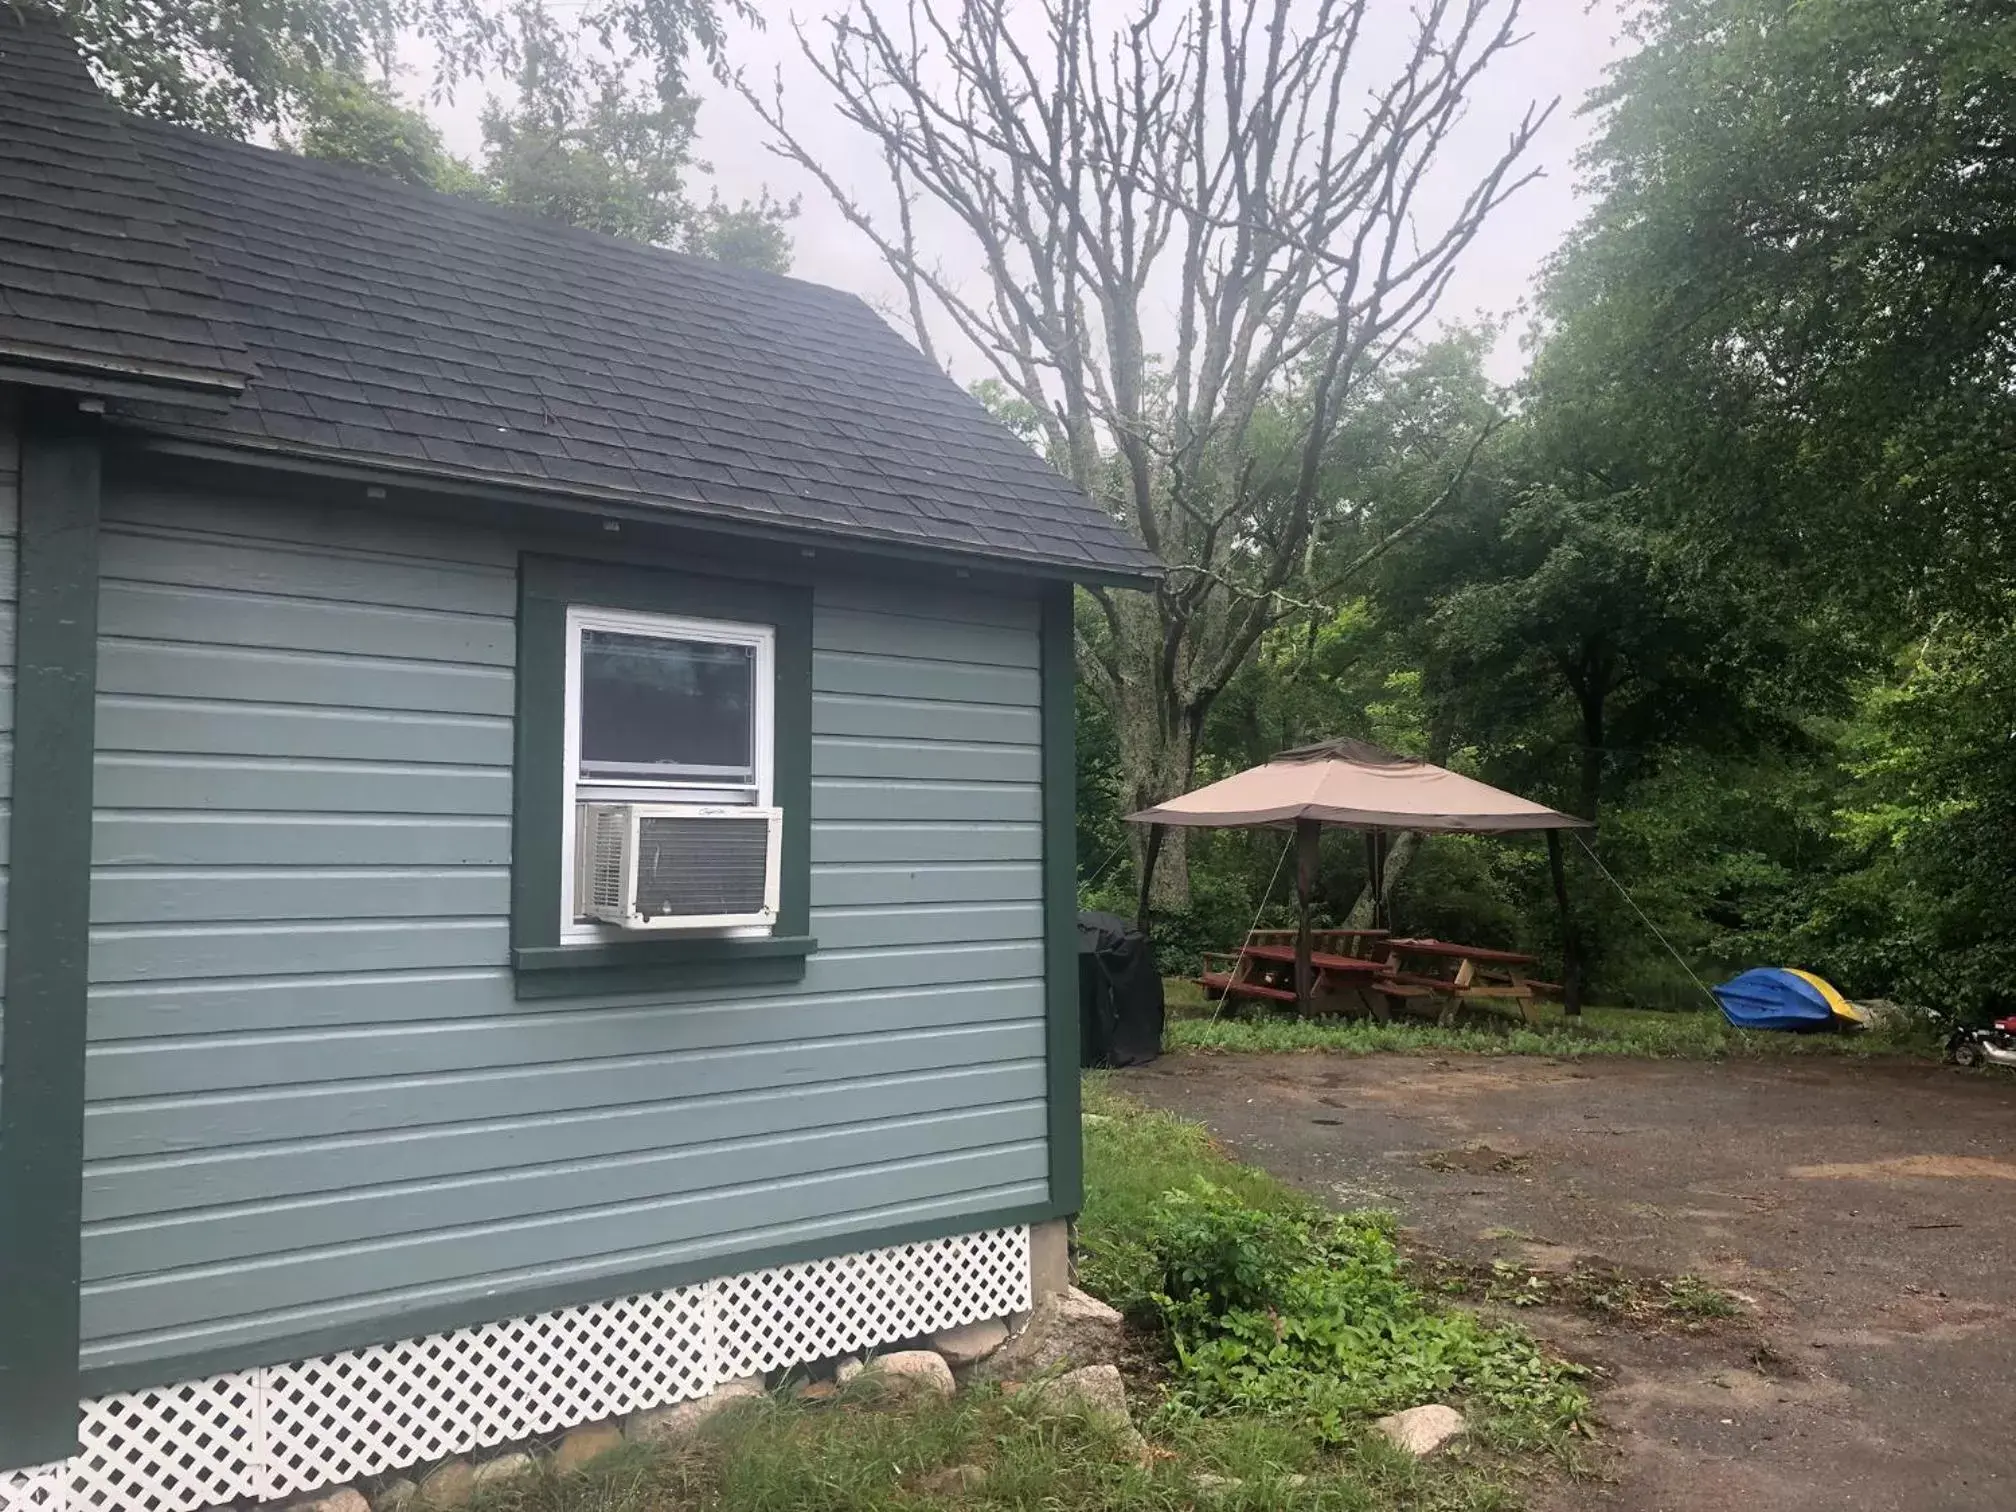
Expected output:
(1776, 997)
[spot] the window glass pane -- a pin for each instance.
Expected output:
(655, 707)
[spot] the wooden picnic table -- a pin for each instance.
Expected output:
(1352, 942)
(1451, 950)
(1482, 976)
(1267, 972)
(1322, 960)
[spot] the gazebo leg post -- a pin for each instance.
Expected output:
(1382, 912)
(1307, 833)
(1571, 962)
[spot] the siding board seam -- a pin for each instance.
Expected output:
(710, 1101)
(463, 1231)
(282, 545)
(582, 1165)
(583, 1067)
(609, 1018)
(475, 671)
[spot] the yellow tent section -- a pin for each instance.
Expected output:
(1841, 1007)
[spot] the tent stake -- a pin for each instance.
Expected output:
(1571, 963)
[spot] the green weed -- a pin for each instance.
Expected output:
(1691, 1297)
(1644, 1301)
(1133, 1157)
(995, 1452)
(1314, 1319)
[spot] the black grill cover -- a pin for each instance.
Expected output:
(1119, 993)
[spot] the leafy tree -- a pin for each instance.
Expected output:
(749, 235)
(1915, 900)
(1800, 283)
(351, 120)
(622, 169)
(1788, 332)
(599, 135)
(235, 66)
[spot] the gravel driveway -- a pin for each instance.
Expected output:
(1864, 1212)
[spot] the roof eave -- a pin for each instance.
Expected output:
(105, 378)
(618, 504)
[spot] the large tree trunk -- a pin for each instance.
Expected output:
(1397, 856)
(1158, 761)
(1571, 945)
(1441, 740)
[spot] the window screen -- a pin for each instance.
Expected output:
(653, 708)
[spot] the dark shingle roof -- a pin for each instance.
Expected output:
(95, 276)
(396, 327)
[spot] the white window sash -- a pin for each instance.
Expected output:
(697, 786)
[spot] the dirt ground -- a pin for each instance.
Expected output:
(1863, 1213)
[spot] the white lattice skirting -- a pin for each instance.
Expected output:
(285, 1429)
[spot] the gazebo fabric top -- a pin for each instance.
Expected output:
(1357, 785)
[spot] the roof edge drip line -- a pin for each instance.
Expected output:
(636, 508)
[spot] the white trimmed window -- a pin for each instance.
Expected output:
(669, 725)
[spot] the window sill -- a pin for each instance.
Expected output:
(661, 965)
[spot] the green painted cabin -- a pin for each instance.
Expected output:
(358, 542)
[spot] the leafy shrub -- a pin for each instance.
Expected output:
(1313, 1319)
(1220, 1256)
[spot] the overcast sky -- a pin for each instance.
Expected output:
(1568, 44)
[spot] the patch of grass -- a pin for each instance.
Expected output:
(1319, 1322)
(1359, 1337)
(1134, 1157)
(988, 1451)
(991, 1451)
(1600, 1031)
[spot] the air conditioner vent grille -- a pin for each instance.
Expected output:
(700, 866)
(605, 860)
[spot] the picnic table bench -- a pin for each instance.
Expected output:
(1337, 942)
(1379, 981)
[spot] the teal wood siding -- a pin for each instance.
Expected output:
(312, 1098)
(10, 507)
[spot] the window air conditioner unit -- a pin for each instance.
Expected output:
(681, 866)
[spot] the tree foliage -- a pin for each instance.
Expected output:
(597, 130)
(1799, 283)
(1737, 574)
(351, 120)
(236, 66)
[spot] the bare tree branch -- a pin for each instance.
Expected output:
(1194, 250)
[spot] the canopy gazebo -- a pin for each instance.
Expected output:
(1356, 785)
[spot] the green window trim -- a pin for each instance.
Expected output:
(48, 934)
(1063, 1041)
(545, 966)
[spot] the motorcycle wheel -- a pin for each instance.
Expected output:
(1966, 1053)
